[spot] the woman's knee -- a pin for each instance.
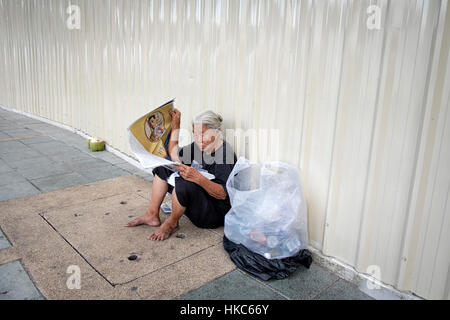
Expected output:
(161, 172)
(185, 190)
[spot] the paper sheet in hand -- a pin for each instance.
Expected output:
(171, 179)
(149, 136)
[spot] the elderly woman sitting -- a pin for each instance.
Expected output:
(205, 202)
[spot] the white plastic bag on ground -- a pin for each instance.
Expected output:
(268, 214)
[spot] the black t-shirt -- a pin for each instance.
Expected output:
(219, 163)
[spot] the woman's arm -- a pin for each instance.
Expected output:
(173, 142)
(214, 189)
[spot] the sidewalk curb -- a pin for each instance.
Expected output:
(380, 290)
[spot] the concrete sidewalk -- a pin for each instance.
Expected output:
(62, 210)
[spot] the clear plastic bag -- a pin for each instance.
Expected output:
(268, 212)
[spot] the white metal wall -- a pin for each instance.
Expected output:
(363, 113)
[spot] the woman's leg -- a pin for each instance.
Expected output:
(171, 223)
(151, 216)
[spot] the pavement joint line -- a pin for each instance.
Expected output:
(326, 288)
(83, 202)
(30, 276)
(216, 232)
(19, 138)
(6, 237)
(265, 285)
(51, 175)
(34, 185)
(15, 255)
(76, 250)
(142, 196)
(28, 273)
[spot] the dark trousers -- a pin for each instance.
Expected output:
(202, 209)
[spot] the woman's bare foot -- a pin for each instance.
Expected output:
(164, 232)
(149, 218)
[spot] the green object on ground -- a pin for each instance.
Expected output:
(96, 144)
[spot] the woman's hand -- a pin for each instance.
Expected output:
(176, 116)
(174, 135)
(189, 173)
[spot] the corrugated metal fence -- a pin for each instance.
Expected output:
(357, 92)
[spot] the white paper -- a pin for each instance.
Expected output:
(146, 159)
(171, 179)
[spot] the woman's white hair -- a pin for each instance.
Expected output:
(209, 118)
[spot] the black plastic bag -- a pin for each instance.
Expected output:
(262, 268)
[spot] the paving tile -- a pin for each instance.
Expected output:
(233, 286)
(149, 178)
(17, 133)
(42, 127)
(143, 175)
(70, 156)
(93, 173)
(106, 156)
(4, 135)
(96, 229)
(17, 190)
(14, 118)
(127, 166)
(8, 125)
(19, 154)
(8, 255)
(304, 283)
(80, 165)
(4, 167)
(59, 134)
(134, 170)
(77, 142)
(4, 243)
(36, 172)
(27, 121)
(10, 178)
(41, 161)
(219, 231)
(11, 146)
(51, 183)
(343, 290)
(15, 283)
(62, 134)
(53, 148)
(36, 140)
